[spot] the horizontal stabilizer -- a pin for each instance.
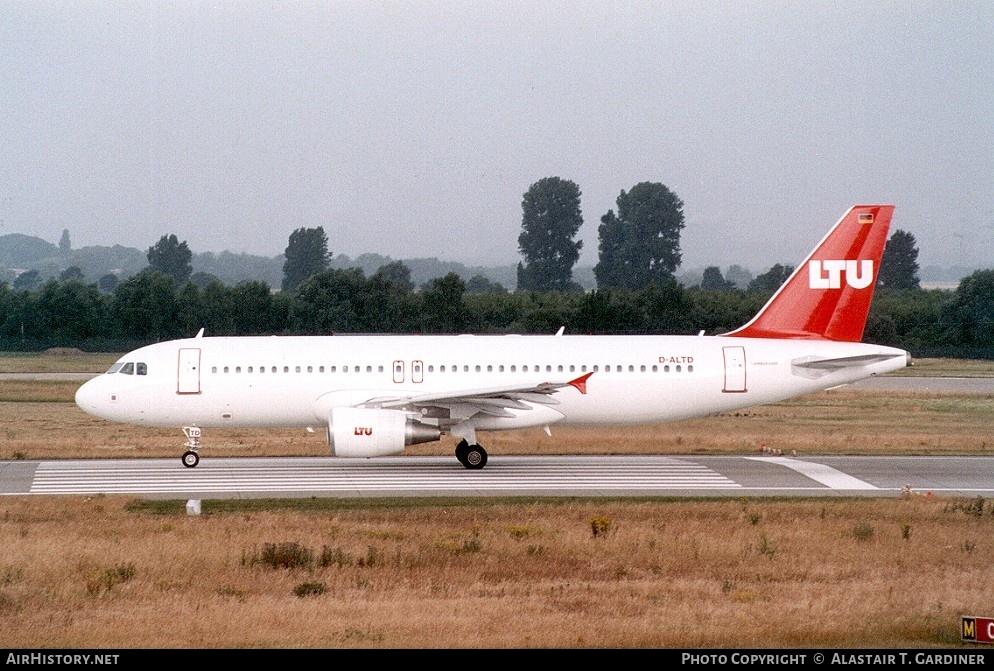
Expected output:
(813, 366)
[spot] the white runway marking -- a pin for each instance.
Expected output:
(365, 476)
(826, 475)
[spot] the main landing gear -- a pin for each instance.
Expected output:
(473, 457)
(190, 457)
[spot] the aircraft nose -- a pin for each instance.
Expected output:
(87, 397)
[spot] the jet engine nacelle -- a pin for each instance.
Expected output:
(365, 432)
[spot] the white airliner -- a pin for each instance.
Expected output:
(378, 394)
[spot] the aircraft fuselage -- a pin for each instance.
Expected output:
(295, 381)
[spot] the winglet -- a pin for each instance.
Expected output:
(828, 296)
(580, 383)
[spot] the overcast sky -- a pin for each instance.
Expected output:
(413, 129)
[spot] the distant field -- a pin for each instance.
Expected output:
(75, 362)
(949, 368)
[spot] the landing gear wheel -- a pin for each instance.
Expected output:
(190, 457)
(461, 449)
(476, 457)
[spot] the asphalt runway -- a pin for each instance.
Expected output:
(531, 476)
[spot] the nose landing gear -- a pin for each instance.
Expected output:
(190, 457)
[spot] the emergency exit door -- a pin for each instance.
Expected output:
(735, 369)
(188, 376)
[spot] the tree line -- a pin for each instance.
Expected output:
(150, 306)
(637, 292)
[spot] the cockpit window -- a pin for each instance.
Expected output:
(116, 367)
(141, 369)
(128, 368)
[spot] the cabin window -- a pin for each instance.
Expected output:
(369, 369)
(656, 368)
(320, 369)
(583, 368)
(273, 369)
(524, 369)
(514, 369)
(500, 368)
(478, 369)
(238, 369)
(213, 369)
(379, 369)
(286, 369)
(642, 368)
(225, 369)
(560, 369)
(465, 369)
(690, 369)
(572, 368)
(679, 368)
(490, 369)
(310, 369)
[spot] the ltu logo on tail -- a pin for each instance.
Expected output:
(828, 274)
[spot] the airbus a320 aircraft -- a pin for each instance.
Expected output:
(378, 394)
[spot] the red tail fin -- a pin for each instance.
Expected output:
(828, 296)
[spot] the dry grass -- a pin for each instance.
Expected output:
(97, 573)
(109, 572)
(56, 362)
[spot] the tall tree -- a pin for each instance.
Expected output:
(71, 273)
(145, 306)
(969, 315)
(738, 276)
(641, 244)
(771, 280)
(65, 245)
(550, 221)
(107, 283)
(442, 305)
(899, 265)
(29, 280)
(396, 273)
(171, 257)
(67, 312)
(714, 281)
(306, 255)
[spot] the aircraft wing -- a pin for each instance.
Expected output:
(494, 401)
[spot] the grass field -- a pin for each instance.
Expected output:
(112, 572)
